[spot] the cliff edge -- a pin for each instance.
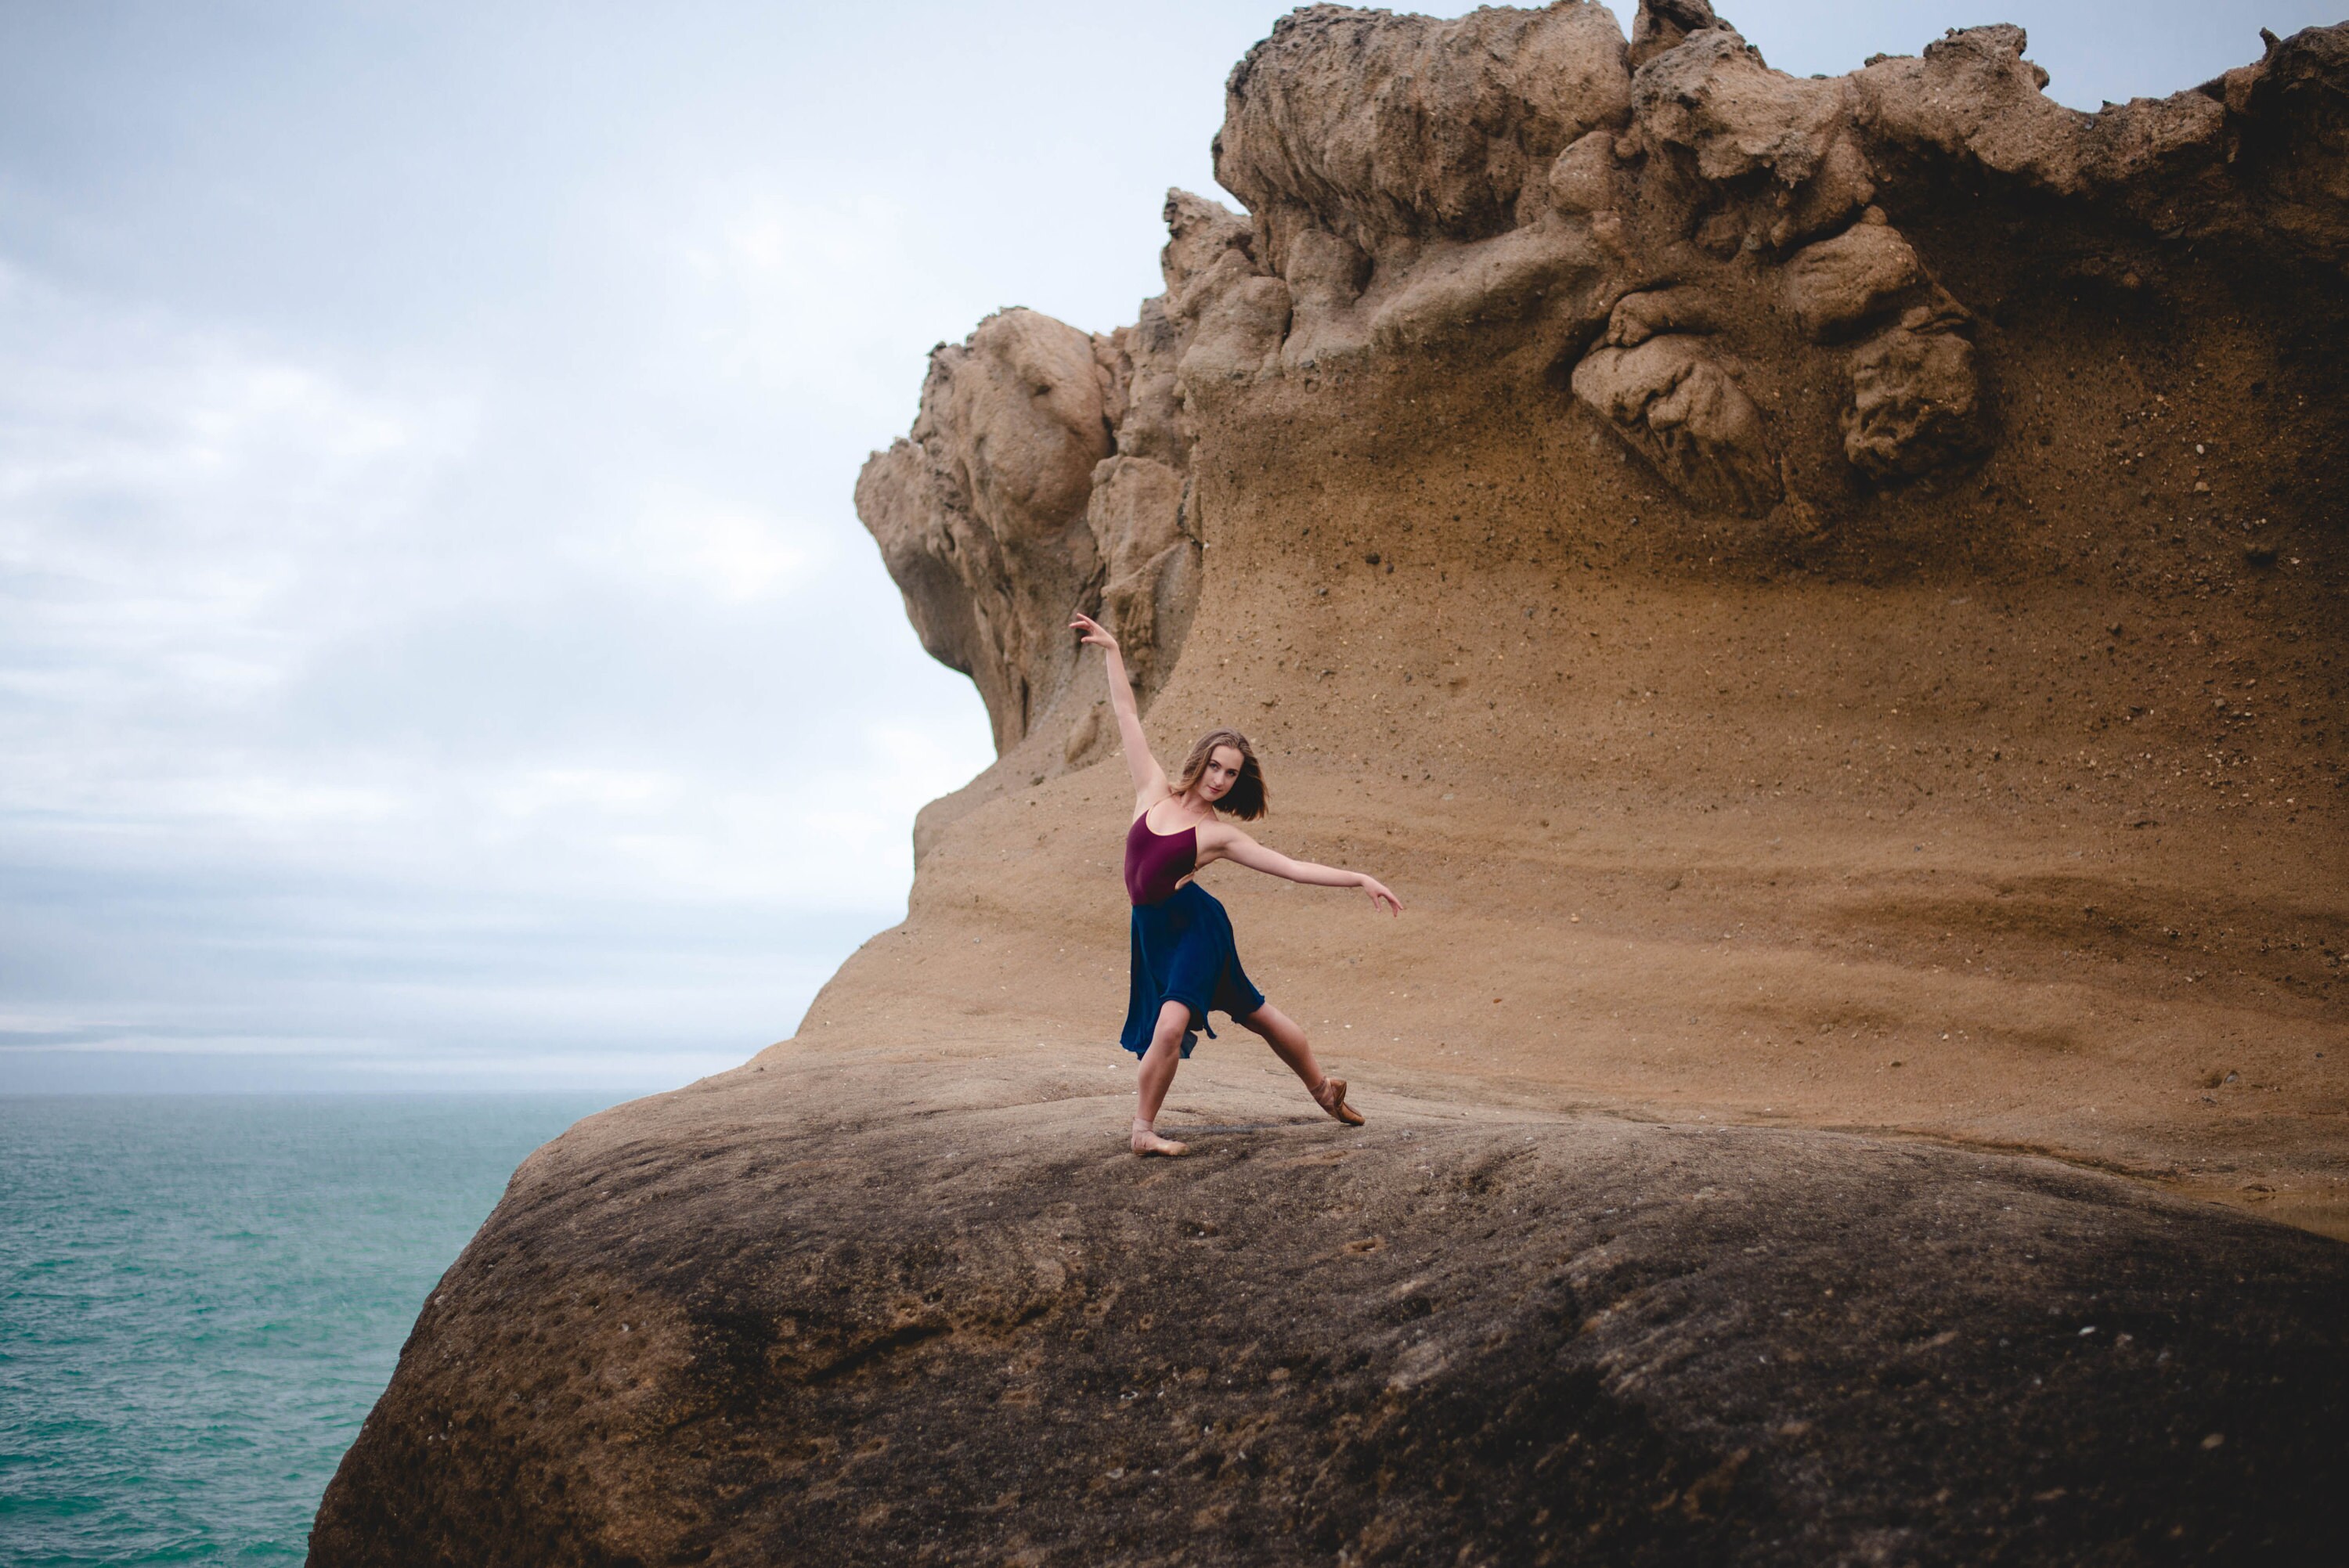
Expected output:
(1824, 594)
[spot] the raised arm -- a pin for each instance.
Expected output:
(1222, 841)
(1150, 783)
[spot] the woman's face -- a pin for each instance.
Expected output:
(1222, 771)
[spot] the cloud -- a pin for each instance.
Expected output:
(326, 711)
(727, 550)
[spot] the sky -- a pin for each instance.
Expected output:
(437, 647)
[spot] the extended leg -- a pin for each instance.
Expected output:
(1156, 1077)
(1288, 1043)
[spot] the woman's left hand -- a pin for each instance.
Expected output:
(1381, 897)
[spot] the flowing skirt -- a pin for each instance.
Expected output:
(1182, 952)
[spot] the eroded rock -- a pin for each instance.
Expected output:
(1973, 94)
(1137, 517)
(1915, 404)
(980, 514)
(1682, 411)
(1638, 317)
(1141, 359)
(1438, 199)
(1237, 321)
(1586, 177)
(1661, 25)
(1459, 294)
(987, 527)
(1324, 272)
(1714, 96)
(1387, 126)
(1200, 234)
(2294, 118)
(1325, 277)
(1839, 284)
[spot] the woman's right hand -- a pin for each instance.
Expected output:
(1093, 632)
(1380, 896)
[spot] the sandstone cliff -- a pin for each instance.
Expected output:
(1825, 596)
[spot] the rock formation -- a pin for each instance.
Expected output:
(828, 1319)
(1682, 236)
(1824, 596)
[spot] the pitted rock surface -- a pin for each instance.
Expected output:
(1683, 411)
(757, 1323)
(1429, 197)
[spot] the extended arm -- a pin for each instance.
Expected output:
(1221, 841)
(1149, 779)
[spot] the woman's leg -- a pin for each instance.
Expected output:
(1288, 1043)
(1156, 1076)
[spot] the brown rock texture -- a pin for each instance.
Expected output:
(854, 1310)
(1824, 596)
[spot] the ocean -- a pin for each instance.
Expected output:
(201, 1297)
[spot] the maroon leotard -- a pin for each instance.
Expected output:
(1156, 863)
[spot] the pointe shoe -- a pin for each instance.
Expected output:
(1331, 1097)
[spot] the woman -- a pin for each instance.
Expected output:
(1184, 960)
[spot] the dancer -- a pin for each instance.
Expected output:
(1184, 960)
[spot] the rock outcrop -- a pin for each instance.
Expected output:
(1824, 595)
(973, 1330)
(1699, 247)
(984, 514)
(1049, 471)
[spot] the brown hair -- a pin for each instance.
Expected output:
(1249, 799)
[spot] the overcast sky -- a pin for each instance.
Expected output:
(437, 649)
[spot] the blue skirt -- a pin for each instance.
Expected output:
(1182, 952)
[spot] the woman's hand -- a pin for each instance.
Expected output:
(1380, 898)
(1093, 632)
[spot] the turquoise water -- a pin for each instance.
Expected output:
(201, 1297)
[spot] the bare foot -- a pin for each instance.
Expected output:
(1147, 1141)
(1331, 1098)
